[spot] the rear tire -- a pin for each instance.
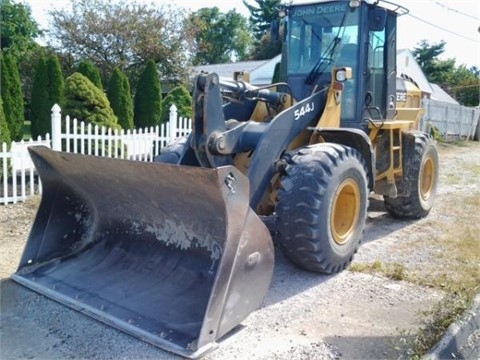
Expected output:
(322, 206)
(423, 173)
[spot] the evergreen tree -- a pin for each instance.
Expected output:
(262, 15)
(148, 97)
(118, 94)
(39, 106)
(4, 132)
(12, 96)
(47, 90)
(86, 102)
(182, 100)
(86, 68)
(56, 85)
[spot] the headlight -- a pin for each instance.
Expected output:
(354, 3)
(341, 75)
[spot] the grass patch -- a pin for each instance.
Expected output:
(459, 294)
(454, 269)
(394, 271)
(433, 324)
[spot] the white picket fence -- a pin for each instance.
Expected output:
(20, 180)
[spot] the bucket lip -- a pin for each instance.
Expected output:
(99, 315)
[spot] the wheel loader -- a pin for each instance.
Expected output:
(180, 250)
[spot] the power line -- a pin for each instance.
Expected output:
(454, 10)
(464, 86)
(439, 27)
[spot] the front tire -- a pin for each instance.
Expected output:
(172, 152)
(423, 174)
(322, 206)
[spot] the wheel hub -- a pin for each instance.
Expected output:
(427, 178)
(345, 211)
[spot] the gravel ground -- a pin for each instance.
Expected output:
(304, 316)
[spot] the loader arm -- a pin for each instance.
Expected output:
(214, 145)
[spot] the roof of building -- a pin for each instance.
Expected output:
(440, 95)
(408, 67)
(261, 71)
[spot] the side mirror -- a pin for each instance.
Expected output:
(377, 19)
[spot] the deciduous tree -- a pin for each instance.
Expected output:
(18, 29)
(219, 37)
(466, 85)
(460, 82)
(124, 35)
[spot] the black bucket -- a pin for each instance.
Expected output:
(171, 254)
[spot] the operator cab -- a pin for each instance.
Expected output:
(355, 34)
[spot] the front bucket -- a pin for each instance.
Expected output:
(171, 254)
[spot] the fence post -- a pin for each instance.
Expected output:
(172, 123)
(56, 128)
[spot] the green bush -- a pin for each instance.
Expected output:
(86, 102)
(182, 100)
(118, 94)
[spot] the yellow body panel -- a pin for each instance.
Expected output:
(393, 129)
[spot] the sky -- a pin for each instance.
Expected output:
(457, 22)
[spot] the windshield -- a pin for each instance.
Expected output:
(321, 36)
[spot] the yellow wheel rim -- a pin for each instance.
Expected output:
(426, 179)
(345, 211)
